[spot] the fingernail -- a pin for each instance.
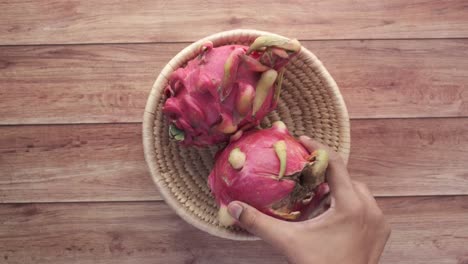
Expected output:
(235, 210)
(304, 137)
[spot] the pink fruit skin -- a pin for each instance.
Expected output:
(194, 104)
(257, 182)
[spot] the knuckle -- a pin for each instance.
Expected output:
(376, 215)
(387, 229)
(362, 186)
(357, 209)
(381, 223)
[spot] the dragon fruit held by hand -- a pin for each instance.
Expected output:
(270, 170)
(226, 89)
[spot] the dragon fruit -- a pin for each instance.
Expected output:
(272, 171)
(226, 89)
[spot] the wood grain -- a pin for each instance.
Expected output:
(411, 78)
(54, 163)
(110, 83)
(73, 163)
(78, 84)
(114, 21)
(411, 156)
(74, 187)
(425, 230)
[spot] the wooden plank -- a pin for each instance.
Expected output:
(386, 79)
(114, 21)
(411, 156)
(73, 163)
(110, 83)
(425, 230)
(52, 163)
(78, 84)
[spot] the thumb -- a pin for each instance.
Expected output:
(266, 227)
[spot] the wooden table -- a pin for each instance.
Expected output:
(75, 75)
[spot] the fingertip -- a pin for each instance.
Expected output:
(259, 224)
(311, 144)
(307, 142)
(235, 209)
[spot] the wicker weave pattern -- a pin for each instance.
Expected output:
(310, 104)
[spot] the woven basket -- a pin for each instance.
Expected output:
(310, 104)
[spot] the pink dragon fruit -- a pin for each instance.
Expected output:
(226, 89)
(270, 170)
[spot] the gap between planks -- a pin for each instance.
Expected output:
(139, 122)
(425, 230)
(149, 20)
(190, 42)
(377, 197)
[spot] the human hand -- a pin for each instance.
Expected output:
(353, 230)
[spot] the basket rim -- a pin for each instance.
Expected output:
(149, 121)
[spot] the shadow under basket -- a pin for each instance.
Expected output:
(310, 104)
